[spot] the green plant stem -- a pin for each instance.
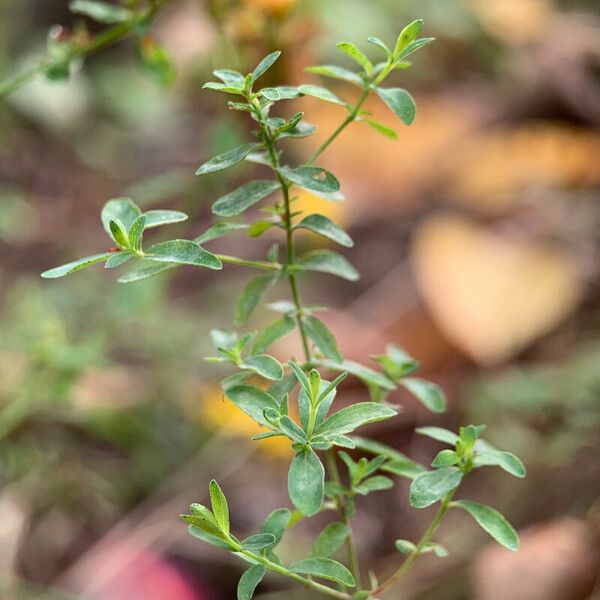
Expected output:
(254, 264)
(334, 472)
(105, 38)
(408, 563)
(309, 583)
(349, 119)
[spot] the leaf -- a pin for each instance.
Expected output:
(228, 159)
(437, 549)
(321, 93)
(306, 481)
(407, 35)
(374, 484)
(117, 259)
(364, 373)
(156, 218)
(144, 272)
(431, 486)
(76, 265)
(183, 252)
(383, 129)
(219, 506)
(300, 376)
(234, 380)
(322, 409)
(276, 523)
(223, 338)
(103, 12)
(404, 467)
(491, 521)
(244, 197)
(272, 332)
(282, 387)
(156, 61)
(284, 92)
(250, 297)
(429, 394)
(230, 77)
(438, 433)
(259, 227)
(351, 417)
(445, 458)
(314, 179)
(218, 230)
(264, 365)
(119, 209)
(413, 47)
(222, 87)
(118, 233)
(378, 42)
(330, 540)
(328, 261)
(327, 228)
(264, 64)
(405, 546)
(401, 103)
(292, 431)
(336, 73)
(252, 401)
(326, 568)
(258, 541)
(208, 537)
(325, 341)
(355, 54)
(249, 580)
(136, 232)
(487, 455)
(302, 130)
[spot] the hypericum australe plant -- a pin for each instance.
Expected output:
(296, 400)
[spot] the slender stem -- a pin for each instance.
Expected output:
(349, 119)
(408, 563)
(255, 264)
(334, 472)
(13, 83)
(309, 583)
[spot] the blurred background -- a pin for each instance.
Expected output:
(477, 236)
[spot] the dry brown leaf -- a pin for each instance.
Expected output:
(491, 296)
(556, 561)
(493, 171)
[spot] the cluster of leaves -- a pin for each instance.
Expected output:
(294, 400)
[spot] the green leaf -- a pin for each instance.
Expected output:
(282, 387)
(259, 227)
(208, 537)
(249, 580)
(325, 341)
(491, 521)
(429, 394)
(401, 103)
(156, 61)
(136, 233)
(321, 93)
(487, 455)
(276, 523)
(252, 401)
(117, 259)
(336, 73)
(405, 546)
(244, 197)
(438, 433)
(324, 405)
(383, 129)
(228, 159)
(330, 540)
(413, 47)
(156, 218)
(431, 486)
(222, 87)
(183, 252)
(375, 484)
(118, 233)
(283, 92)
(302, 130)
(205, 522)
(396, 362)
(306, 481)
(272, 332)
(445, 458)
(326, 568)
(351, 417)
(300, 376)
(119, 209)
(144, 272)
(263, 364)
(230, 77)
(378, 42)
(328, 261)
(103, 12)
(404, 467)
(437, 549)
(223, 338)
(355, 54)
(219, 230)
(314, 179)
(234, 380)
(250, 297)
(264, 64)
(407, 35)
(327, 228)
(363, 373)
(258, 541)
(76, 265)
(219, 506)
